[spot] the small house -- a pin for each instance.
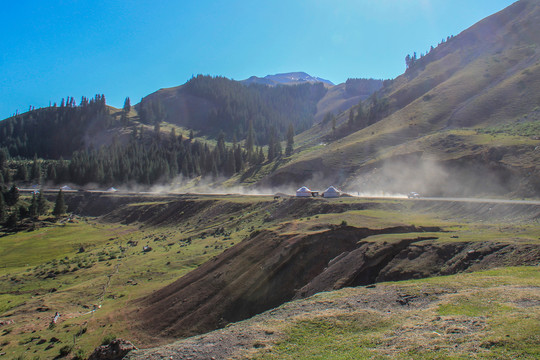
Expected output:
(303, 192)
(331, 192)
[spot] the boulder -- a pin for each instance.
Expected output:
(115, 350)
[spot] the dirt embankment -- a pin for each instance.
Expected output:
(268, 269)
(99, 204)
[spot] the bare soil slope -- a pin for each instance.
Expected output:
(268, 269)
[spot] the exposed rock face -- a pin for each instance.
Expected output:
(115, 350)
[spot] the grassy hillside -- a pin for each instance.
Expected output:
(488, 76)
(487, 315)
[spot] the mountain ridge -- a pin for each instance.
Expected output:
(290, 78)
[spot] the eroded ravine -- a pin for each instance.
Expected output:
(268, 269)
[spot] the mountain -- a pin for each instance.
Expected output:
(462, 120)
(343, 96)
(211, 105)
(292, 78)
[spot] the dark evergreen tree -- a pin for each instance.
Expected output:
(278, 151)
(12, 196)
(172, 136)
(250, 141)
(127, 105)
(12, 219)
(41, 204)
(272, 145)
(3, 209)
(290, 141)
(238, 158)
(35, 174)
(6, 174)
(4, 156)
(22, 173)
(23, 211)
(59, 205)
(33, 209)
(359, 113)
(157, 128)
(51, 172)
(351, 118)
(260, 158)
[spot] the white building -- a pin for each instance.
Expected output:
(303, 192)
(331, 192)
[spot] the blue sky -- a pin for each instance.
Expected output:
(59, 48)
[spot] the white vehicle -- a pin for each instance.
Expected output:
(413, 195)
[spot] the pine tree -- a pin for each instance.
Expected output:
(157, 128)
(272, 145)
(238, 158)
(250, 141)
(260, 157)
(22, 173)
(12, 196)
(7, 175)
(3, 157)
(33, 210)
(360, 112)
(12, 219)
(278, 151)
(221, 145)
(127, 105)
(290, 140)
(351, 118)
(3, 208)
(36, 170)
(59, 205)
(41, 204)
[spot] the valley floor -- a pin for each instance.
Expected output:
(94, 269)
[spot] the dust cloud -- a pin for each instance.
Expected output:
(429, 177)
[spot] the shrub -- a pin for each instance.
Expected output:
(107, 339)
(79, 355)
(65, 350)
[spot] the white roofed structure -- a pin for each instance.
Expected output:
(303, 192)
(331, 192)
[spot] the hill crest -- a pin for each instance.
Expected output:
(291, 78)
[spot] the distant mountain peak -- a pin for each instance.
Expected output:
(291, 78)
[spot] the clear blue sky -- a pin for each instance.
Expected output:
(58, 48)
